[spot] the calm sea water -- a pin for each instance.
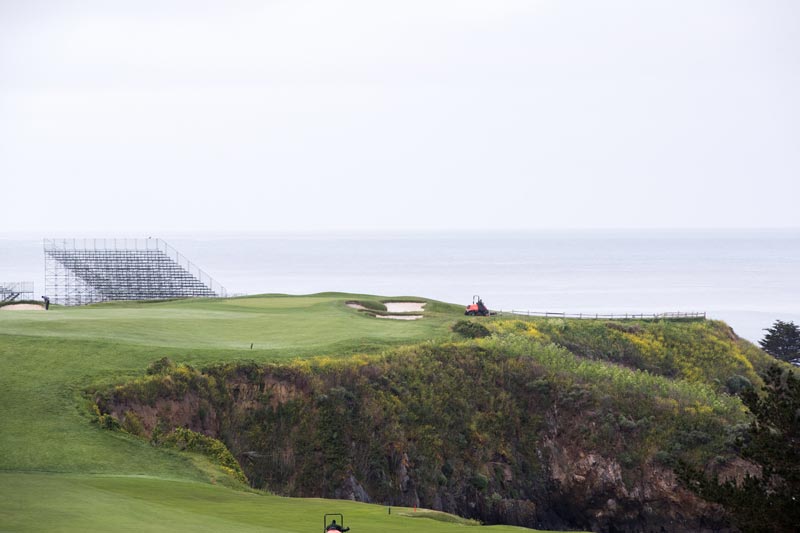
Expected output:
(747, 278)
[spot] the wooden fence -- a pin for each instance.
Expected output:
(605, 316)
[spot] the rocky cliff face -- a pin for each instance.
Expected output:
(653, 501)
(456, 428)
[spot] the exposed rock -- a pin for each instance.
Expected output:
(352, 490)
(656, 500)
(190, 412)
(325, 435)
(736, 470)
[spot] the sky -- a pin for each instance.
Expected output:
(295, 115)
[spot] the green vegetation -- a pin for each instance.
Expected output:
(466, 413)
(697, 351)
(78, 503)
(191, 441)
(276, 325)
(471, 329)
(312, 426)
(47, 360)
(782, 341)
(767, 502)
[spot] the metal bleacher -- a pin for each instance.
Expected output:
(11, 291)
(97, 270)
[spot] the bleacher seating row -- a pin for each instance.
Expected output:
(130, 274)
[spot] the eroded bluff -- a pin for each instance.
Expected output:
(456, 428)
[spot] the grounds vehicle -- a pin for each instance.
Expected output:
(333, 526)
(476, 308)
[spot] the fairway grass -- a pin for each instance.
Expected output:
(303, 325)
(48, 359)
(58, 471)
(70, 502)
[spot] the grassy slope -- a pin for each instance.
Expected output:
(58, 471)
(700, 351)
(47, 358)
(296, 325)
(71, 502)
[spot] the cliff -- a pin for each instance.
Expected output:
(509, 429)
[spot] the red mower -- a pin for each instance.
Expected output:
(477, 308)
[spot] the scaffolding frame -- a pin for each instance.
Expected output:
(16, 290)
(83, 271)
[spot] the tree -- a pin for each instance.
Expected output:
(770, 502)
(782, 341)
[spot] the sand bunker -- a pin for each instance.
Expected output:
(404, 307)
(400, 317)
(392, 308)
(22, 307)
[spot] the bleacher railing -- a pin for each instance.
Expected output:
(139, 244)
(606, 316)
(16, 290)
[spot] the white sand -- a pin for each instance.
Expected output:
(22, 307)
(400, 317)
(404, 307)
(393, 307)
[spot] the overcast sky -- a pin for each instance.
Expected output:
(411, 115)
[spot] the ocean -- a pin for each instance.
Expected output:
(748, 278)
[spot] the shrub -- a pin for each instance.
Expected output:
(479, 481)
(470, 329)
(104, 420)
(133, 424)
(188, 440)
(159, 431)
(161, 366)
(664, 458)
(108, 422)
(702, 352)
(736, 384)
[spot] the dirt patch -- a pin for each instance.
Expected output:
(22, 307)
(404, 307)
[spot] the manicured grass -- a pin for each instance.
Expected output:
(302, 325)
(70, 502)
(47, 359)
(58, 471)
